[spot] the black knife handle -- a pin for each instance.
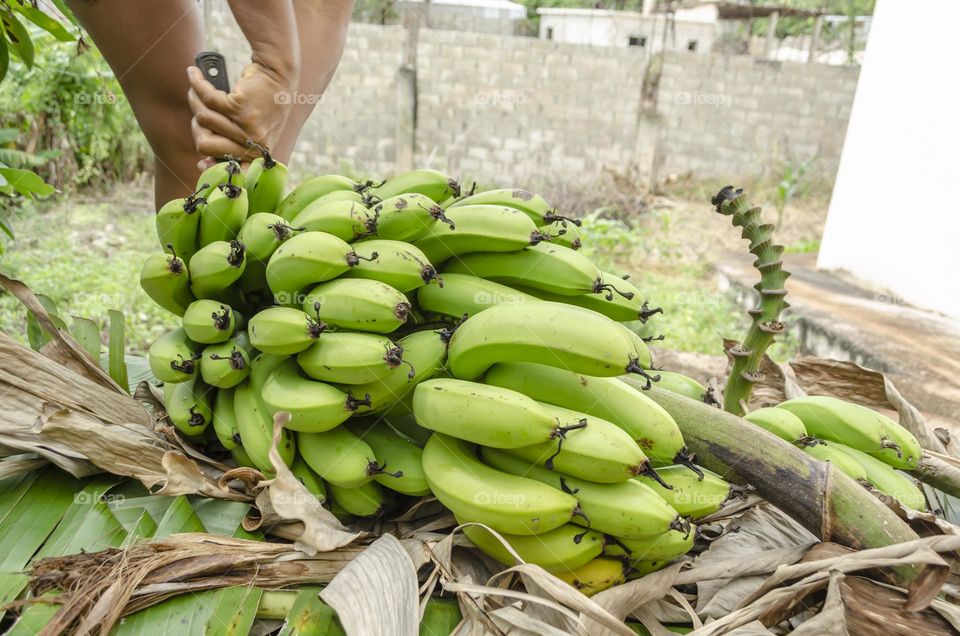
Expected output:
(214, 68)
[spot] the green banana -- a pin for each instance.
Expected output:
(474, 491)
(226, 364)
(627, 509)
(478, 228)
(423, 353)
(907, 452)
(304, 260)
(284, 330)
(225, 419)
(347, 220)
(362, 305)
(406, 426)
(314, 407)
(592, 449)
(261, 234)
(350, 358)
(559, 550)
(397, 454)
(487, 415)
(441, 616)
(689, 494)
(266, 181)
(165, 279)
(533, 205)
(662, 547)
(178, 225)
(681, 385)
(215, 267)
(241, 458)
(226, 210)
(219, 174)
(173, 357)
(548, 333)
(596, 576)
(398, 264)
(430, 183)
(209, 322)
(311, 190)
(622, 308)
(339, 457)
(261, 366)
(644, 420)
(309, 479)
(887, 480)
(255, 426)
(366, 500)
(563, 232)
(855, 426)
(550, 268)
(407, 217)
(780, 422)
(190, 407)
(828, 452)
(463, 294)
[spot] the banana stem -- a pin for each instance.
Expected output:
(765, 324)
(818, 496)
(939, 474)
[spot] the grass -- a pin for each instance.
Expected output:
(696, 316)
(86, 256)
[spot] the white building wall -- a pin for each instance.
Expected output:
(615, 28)
(894, 218)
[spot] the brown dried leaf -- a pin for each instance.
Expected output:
(66, 347)
(285, 499)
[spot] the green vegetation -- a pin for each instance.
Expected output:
(86, 257)
(696, 315)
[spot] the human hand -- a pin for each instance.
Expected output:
(224, 123)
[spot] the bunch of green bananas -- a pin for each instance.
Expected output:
(427, 342)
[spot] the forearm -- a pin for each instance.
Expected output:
(270, 26)
(322, 27)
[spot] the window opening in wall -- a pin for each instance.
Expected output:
(549, 33)
(691, 45)
(637, 40)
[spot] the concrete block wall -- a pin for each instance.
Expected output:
(740, 116)
(516, 110)
(519, 110)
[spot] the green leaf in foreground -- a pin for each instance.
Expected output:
(27, 183)
(45, 22)
(87, 333)
(37, 335)
(117, 345)
(310, 616)
(17, 35)
(234, 611)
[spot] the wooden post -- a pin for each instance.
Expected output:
(815, 39)
(771, 34)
